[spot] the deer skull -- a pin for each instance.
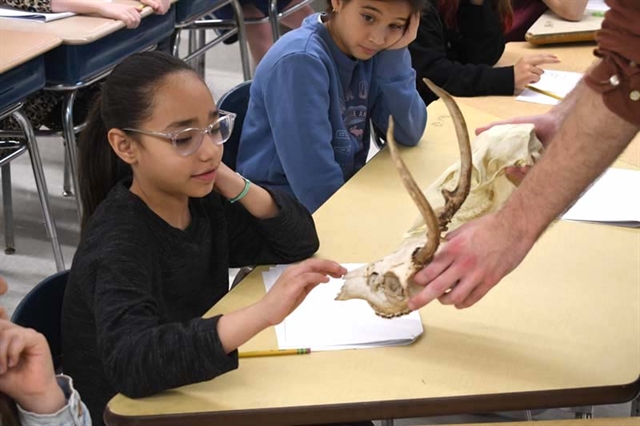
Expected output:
(387, 284)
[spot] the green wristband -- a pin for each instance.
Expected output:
(245, 191)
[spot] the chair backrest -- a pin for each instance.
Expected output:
(235, 100)
(41, 310)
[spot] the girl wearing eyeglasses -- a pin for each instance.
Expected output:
(164, 219)
(307, 127)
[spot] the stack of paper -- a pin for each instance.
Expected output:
(612, 199)
(10, 12)
(555, 83)
(322, 323)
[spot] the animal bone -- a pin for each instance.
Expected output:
(493, 151)
(387, 284)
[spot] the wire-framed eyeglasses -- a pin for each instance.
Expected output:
(188, 141)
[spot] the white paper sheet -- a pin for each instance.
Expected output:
(597, 6)
(612, 199)
(557, 82)
(10, 12)
(322, 323)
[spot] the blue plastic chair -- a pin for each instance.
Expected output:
(235, 100)
(41, 310)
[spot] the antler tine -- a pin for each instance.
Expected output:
(424, 254)
(454, 199)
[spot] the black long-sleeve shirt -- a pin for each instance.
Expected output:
(138, 287)
(460, 59)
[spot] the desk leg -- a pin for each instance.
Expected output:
(41, 185)
(7, 205)
(388, 422)
(201, 61)
(242, 39)
(66, 184)
(71, 145)
(635, 407)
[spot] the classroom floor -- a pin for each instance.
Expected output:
(33, 260)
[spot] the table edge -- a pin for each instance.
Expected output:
(375, 410)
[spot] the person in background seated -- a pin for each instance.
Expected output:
(259, 35)
(163, 220)
(526, 12)
(457, 45)
(44, 108)
(30, 392)
(307, 126)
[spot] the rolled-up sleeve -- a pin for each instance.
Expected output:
(617, 75)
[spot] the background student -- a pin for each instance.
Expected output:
(527, 12)
(458, 43)
(164, 220)
(260, 36)
(307, 126)
(30, 392)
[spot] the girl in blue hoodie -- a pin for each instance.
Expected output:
(307, 125)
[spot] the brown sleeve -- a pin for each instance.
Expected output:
(617, 76)
(42, 6)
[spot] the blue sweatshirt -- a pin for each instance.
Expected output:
(307, 124)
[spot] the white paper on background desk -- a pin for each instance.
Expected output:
(612, 199)
(11, 12)
(557, 82)
(323, 324)
(597, 6)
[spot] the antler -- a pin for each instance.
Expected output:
(454, 199)
(423, 255)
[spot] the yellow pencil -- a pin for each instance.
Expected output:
(544, 92)
(274, 352)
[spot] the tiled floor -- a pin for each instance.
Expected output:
(33, 259)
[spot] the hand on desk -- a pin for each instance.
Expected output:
(527, 70)
(126, 13)
(160, 7)
(294, 284)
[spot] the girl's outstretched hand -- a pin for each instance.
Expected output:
(294, 284)
(127, 13)
(410, 33)
(26, 370)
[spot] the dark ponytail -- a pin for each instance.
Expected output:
(126, 100)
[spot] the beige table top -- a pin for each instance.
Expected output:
(561, 330)
(16, 48)
(74, 30)
(574, 57)
(608, 421)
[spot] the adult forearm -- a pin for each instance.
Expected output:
(589, 139)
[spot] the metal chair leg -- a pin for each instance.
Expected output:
(200, 62)
(388, 422)
(273, 19)
(7, 205)
(635, 407)
(175, 49)
(242, 39)
(66, 184)
(71, 145)
(41, 185)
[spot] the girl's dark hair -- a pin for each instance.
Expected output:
(415, 5)
(126, 100)
(448, 9)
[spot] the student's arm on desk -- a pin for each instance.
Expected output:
(570, 10)
(479, 254)
(127, 13)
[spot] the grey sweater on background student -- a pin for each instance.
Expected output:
(138, 287)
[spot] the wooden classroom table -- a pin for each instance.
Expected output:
(16, 48)
(79, 29)
(562, 330)
(576, 57)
